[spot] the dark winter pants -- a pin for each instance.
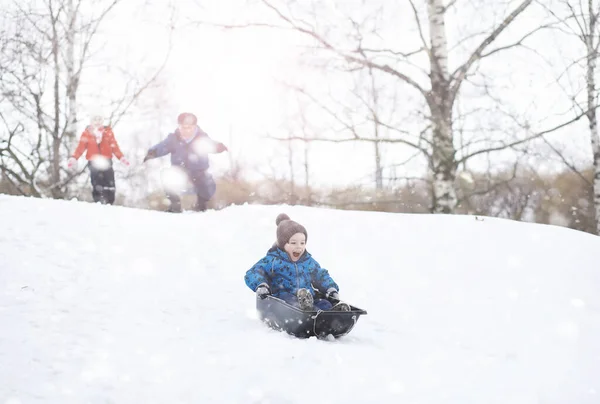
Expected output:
(320, 304)
(103, 182)
(204, 186)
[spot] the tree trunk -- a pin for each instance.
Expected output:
(293, 197)
(592, 56)
(378, 168)
(596, 152)
(376, 124)
(72, 77)
(56, 192)
(307, 187)
(443, 158)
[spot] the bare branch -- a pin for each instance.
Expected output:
(352, 139)
(570, 165)
(393, 52)
(352, 129)
(487, 189)
(525, 140)
(420, 28)
(459, 75)
(349, 58)
(519, 42)
(450, 4)
(133, 98)
(94, 24)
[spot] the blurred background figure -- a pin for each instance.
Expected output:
(189, 147)
(99, 143)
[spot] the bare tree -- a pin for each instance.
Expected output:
(306, 165)
(579, 19)
(438, 85)
(443, 85)
(299, 132)
(372, 100)
(48, 46)
(376, 128)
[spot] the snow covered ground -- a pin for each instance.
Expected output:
(103, 304)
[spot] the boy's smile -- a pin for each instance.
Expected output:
(296, 246)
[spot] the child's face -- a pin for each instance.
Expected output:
(96, 121)
(187, 130)
(296, 246)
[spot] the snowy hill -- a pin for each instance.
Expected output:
(102, 304)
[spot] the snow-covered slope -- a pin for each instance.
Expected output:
(103, 304)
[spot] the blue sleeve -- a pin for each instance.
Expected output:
(163, 148)
(258, 274)
(321, 279)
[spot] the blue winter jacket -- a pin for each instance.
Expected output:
(285, 276)
(191, 155)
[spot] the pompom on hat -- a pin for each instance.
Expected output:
(286, 228)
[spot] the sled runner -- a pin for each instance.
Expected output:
(282, 316)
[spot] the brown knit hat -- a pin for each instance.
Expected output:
(286, 228)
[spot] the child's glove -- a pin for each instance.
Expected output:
(71, 162)
(262, 291)
(221, 148)
(332, 293)
(150, 155)
(124, 161)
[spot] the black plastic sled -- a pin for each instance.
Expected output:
(282, 316)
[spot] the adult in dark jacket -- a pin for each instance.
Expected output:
(189, 147)
(290, 273)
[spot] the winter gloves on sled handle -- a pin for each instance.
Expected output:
(263, 291)
(332, 293)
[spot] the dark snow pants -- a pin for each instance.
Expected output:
(103, 183)
(204, 186)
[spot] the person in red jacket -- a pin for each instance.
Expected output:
(100, 145)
